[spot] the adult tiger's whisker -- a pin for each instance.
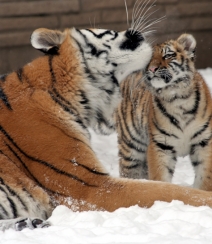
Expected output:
(139, 12)
(145, 14)
(125, 2)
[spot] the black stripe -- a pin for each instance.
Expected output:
(177, 81)
(196, 163)
(13, 193)
(4, 98)
(109, 47)
(26, 168)
(171, 171)
(187, 68)
(163, 131)
(4, 211)
(129, 142)
(134, 166)
(115, 36)
(178, 65)
(164, 146)
(171, 118)
(3, 77)
(102, 120)
(85, 66)
(44, 163)
(202, 144)
(133, 118)
(69, 105)
(84, 100)
(19, 73)
(12, 204)
(123, 147)
(93, 171)
(99, 36)
(135, 162)
(94, 50)
(13, 207)
(130, 145)
(196, 104)
(205, 126)
(124, 123)
(58, 96)
(63, 106)
(31, 175)
(185, 97)
(67, 109)
(113, 78)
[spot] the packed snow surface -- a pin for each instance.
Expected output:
(162, 223)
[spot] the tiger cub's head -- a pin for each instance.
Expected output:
(172, 65)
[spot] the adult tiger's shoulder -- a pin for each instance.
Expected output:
(46, 108)
(168, 115)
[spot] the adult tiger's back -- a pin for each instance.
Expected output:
(46, 107)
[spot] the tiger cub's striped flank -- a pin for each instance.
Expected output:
(166, 116)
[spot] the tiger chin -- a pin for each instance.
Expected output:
(168, 115)
(46, 108)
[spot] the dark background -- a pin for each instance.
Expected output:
(18, 19)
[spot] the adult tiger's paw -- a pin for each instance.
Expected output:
(31, 224)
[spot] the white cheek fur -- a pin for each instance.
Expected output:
(158, 83)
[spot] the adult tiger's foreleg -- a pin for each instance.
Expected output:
(22, 204)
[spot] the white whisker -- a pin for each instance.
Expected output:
(144, 20)
(139, 12)
(146, 15)
(125, 2)
(149, 32)
(90, 22)
(95, 21)
(152, 23)
(140, 8)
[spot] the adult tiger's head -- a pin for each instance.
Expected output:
(172, 65)
(104, 53)
(104, 59)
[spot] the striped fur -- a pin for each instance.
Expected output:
(46, 109)
(168, 116)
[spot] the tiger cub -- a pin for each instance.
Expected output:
(170, 115)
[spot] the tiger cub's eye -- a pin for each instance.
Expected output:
(169, 56)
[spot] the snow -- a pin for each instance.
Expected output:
(162, 223)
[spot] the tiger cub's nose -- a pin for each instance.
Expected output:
(153, 68)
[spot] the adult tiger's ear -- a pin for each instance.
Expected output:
(189, 43)
(47, 41)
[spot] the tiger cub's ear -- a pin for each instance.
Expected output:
(47, 41)
(188, 42)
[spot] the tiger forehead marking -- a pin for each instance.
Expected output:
(172, 117)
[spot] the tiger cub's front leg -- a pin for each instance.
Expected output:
(161, 161)
(132, 163)
(132, 153)
(201, 159)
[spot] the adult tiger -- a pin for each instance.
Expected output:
(169, 115)
(46, 107)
